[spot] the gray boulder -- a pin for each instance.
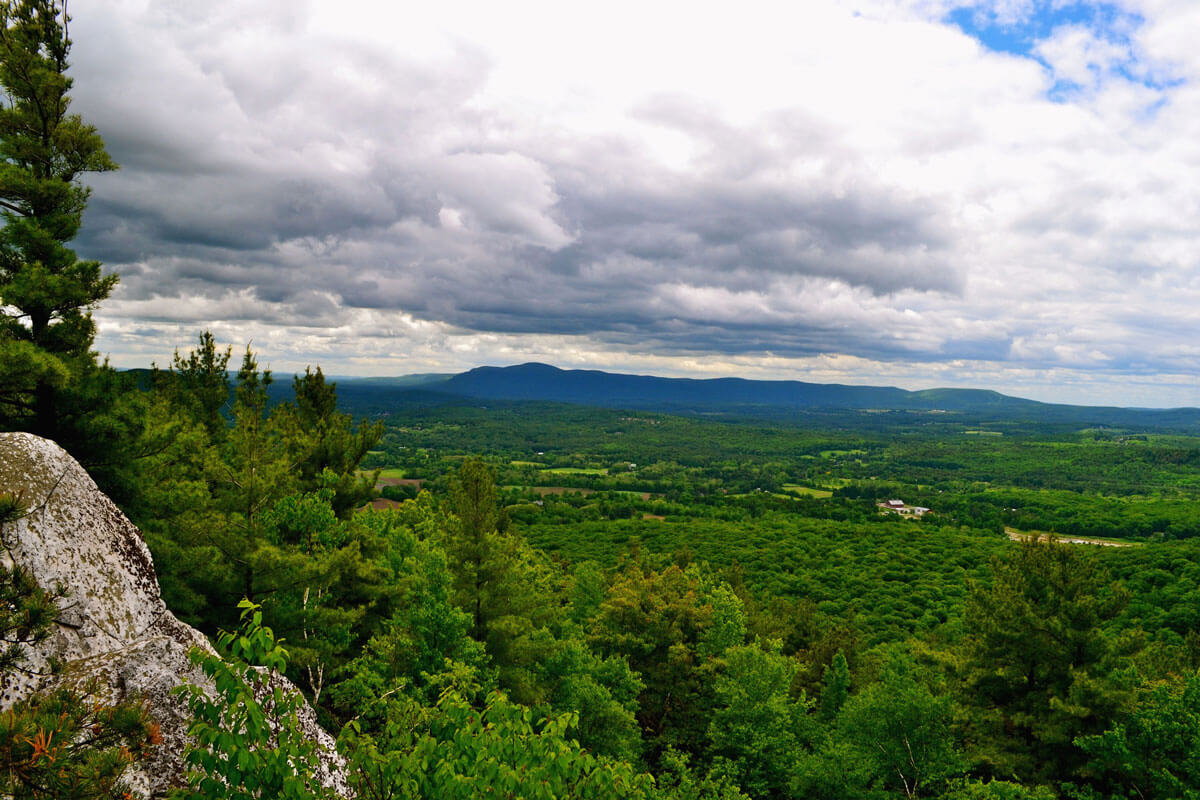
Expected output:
(114, 627)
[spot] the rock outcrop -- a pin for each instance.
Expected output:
(114, 626)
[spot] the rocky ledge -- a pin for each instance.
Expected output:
(114, 627)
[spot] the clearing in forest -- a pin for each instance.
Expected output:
(1021, 536)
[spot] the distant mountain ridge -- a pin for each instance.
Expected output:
(535, 381)
(758, 398)
(737, 397)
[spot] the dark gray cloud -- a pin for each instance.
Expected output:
(931, 206)
(497, 239)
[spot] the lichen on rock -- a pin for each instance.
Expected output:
(114, 629)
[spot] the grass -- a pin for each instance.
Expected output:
(796, 488)
(832, 453)
(576, 471)
(1067, 538)
(771, 494)
(391, 472)
(836, 483)
(545, 490)
(527, 463)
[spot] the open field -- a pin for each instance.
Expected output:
(576, 471)
(418, 482)
(555, 490)
(1020, 536)
(808, 491)
(382, 504)
(551, 490)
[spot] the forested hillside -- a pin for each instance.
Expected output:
(791, 400)
(721, 608)
(526, 599)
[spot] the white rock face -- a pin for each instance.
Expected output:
(114, 626)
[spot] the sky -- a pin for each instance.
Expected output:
(915, 193)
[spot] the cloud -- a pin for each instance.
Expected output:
(796, 183)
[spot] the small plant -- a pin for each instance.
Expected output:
(67, 745)
(247, 738)
(27, 611)
(11, 508)
(26, 614)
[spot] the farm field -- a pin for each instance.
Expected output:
(389, 473)
(574, 471)
(806, 490)
(1021, 536)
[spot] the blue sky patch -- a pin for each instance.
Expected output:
(1021, 36)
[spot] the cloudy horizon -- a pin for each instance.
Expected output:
(915, 193)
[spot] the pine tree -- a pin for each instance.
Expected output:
(326, 446)
(1040, 668)
(835, 687)
(46, 292)
(477, 548)
(199, 382)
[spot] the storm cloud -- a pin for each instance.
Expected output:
(847, 191)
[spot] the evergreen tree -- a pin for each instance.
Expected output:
(199, 383)
(326, 445)
(46, 292)
(253, 473)
(478, 548)
(68, 744)
(27, 611)
(836, 687)
(1040, 669)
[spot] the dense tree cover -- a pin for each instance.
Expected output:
(1153, 751)
(876, 656)
(890, 579)
(940, 452)
(587, 602)
(629, 464)
(1039, 668)
(685, 640)
(249, 501)
(767, 644)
